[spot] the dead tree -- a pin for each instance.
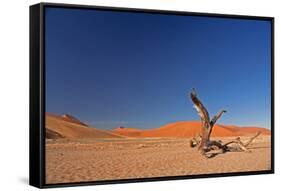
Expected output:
(205, 145)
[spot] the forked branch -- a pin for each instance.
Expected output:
(214, 120)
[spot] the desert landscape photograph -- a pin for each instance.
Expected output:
(164, 96)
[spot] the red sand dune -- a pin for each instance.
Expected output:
(67, 126)
(189, 129)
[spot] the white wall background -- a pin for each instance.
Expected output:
(14, 87)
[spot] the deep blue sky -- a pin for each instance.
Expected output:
(113, 69)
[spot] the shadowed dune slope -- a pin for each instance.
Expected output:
(189, 129)
(50, 134)
(67, 126)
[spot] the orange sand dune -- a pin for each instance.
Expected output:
(129, 132)
(247, 130)
(189, 129)
(67, 126)
(185, 129)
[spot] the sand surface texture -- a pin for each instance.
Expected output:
(110, 155)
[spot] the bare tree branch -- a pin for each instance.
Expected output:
(202, 111)
(251, 140)
(216, 117)
(214, 120)
(195, 140)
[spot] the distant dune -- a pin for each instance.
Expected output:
(67, 118)
(189, 129)
(128, 132)
(67, 126)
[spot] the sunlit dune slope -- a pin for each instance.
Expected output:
(67, 126)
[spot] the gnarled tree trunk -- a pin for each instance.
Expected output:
(207, 125)
(203, 141)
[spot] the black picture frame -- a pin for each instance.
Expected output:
(37, 95)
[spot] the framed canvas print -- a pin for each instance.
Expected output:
(127, 95)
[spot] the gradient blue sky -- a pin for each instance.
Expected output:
(113, 69)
